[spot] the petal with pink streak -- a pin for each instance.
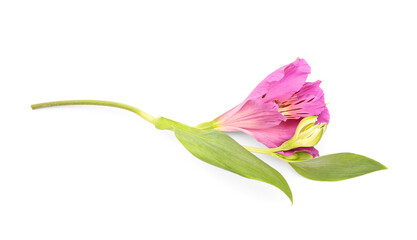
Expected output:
(308, 101)
(283, 82)
(251, 114)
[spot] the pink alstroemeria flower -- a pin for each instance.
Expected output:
(272, 112)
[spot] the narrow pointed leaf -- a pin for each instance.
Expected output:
(335, 167)
(220, 150)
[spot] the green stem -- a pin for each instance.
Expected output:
(270, 152)
(265, 150)
(258, 150)
(139, 112)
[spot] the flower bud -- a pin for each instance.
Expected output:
(307, 134)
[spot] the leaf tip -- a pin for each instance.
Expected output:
(289, 195)
(380, 166)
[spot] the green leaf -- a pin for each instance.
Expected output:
(335, 167)
(220, 150)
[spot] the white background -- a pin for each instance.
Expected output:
(102, 173)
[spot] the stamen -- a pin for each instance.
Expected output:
(285, 104)
(290, 107)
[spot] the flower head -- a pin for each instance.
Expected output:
(274, 109)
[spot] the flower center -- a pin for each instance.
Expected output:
(291, 108)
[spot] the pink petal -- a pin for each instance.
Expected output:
(282, 83)
(324, 117)
(274, 136)
(251, 114)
